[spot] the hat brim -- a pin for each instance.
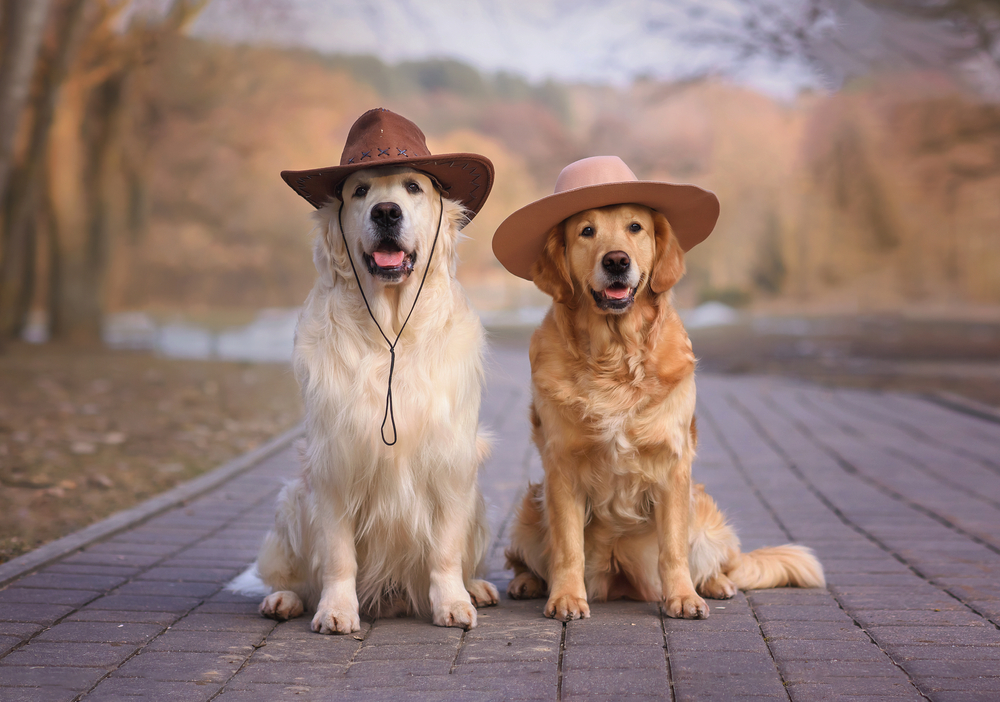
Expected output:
(467, 178)
(519, 240)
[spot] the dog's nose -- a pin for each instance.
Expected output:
(386, 214)
(616, 262)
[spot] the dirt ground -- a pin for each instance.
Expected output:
(84, 434)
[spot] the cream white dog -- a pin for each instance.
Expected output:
(369, 527)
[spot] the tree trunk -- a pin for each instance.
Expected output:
(26, 285)
(23, 23)
(81, 301)
(27, 182)
(55, 291)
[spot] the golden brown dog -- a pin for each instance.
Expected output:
(613, 418)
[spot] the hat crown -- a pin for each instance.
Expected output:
(382, 134)
(596, 170)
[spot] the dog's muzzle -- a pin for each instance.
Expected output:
(617, 296)
(388, 262)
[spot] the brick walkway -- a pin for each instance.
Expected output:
(900, 498)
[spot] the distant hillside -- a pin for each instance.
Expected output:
(879, 197)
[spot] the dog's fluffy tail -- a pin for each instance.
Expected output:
(249, 583)
(778, 566)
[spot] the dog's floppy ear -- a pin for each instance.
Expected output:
(329, 255)
(550, 272)
(668, 266)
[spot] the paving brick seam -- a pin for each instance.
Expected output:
(153, 565)
(791, 465)
(770, 649)
(361, 645)
(499, 539)
(744, 473)
(559, 665)
(851, 470)
(31, 638)
(851, 405)
(126, 660)
(764, 434)
(167, 627)
(734, 458)
(156, 506)
(957, 487)
(957, 403)
(917, 463)
(892, 493)
(920, 435)
(808, 631)
(246, 662)
(889, 491)
(458, 652)
(666, 658)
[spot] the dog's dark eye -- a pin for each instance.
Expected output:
(361, 191)
(413, 188)
(635, 227)
(587, 232)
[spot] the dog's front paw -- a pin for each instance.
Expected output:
(483, 593)
(333, 620)
(686, 606)
(283, 604)
(526, 586)
(567, 607)
(458, 613)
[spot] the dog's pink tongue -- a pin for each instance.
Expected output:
(617, 293)
(387, 259)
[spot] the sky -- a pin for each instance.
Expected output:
(591, 41)
(608, 41)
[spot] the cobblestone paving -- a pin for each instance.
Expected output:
(899, 497)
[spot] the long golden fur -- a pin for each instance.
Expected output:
(613, 418)
(369, 527)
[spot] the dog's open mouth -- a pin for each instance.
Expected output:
(617, 297)
(389, 262)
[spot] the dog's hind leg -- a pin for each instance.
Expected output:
(280, 567)
(281, 605)
(525, 585)
(482, 593)
(714, 547)
(528, 547)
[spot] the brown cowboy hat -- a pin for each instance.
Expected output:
(383, 138)
(600, 181)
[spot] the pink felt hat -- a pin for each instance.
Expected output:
(600, 181)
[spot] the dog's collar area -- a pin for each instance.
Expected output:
(613, 302)
(389, 416)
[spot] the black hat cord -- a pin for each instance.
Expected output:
(392, 344)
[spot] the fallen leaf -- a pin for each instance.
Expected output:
(102, 480)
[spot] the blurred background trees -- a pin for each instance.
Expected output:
(76, 117)
(140, 142)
